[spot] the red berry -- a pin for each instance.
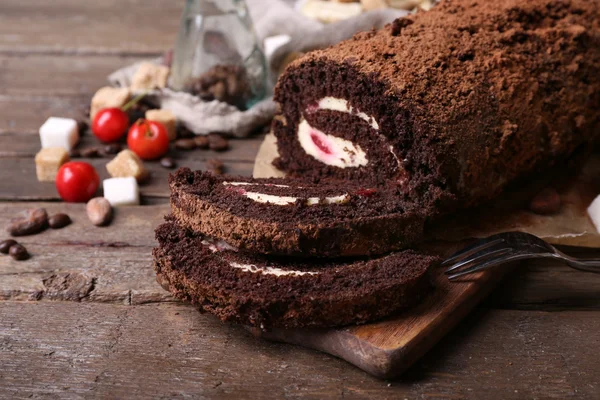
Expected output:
(366, 192)
(110, 124)
(77, 182)
(148, 139)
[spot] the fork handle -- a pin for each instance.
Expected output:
(583, 265)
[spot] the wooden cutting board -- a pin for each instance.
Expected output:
(387, 348)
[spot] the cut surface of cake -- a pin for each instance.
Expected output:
(450, 105)
(294, 217)
(266, 292)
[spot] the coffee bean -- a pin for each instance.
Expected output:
(232, 85)
(267, 128)
(216, 166)
(112, 148)
(219, 90)
(206, 96)
(82, 126)
(99, 211)
(168, 162)
(90, 152)
(546, 202)
(185, 144)
(185, 133)
(217, 142)
(227, 83)
(59, 220)
(74, 153)
(18, 252)
(5, 245)
(135, 114)
(30, 222)
(201, 142)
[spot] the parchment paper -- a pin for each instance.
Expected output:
(571, 226)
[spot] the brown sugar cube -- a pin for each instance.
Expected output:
(150, 76)
(126, 164)
(48, 161)
(165, 117)
(108, 97)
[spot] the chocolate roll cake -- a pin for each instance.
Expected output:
(294, 217)
(272, 292)
(448, 106)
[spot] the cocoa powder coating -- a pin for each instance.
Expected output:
(472, 94)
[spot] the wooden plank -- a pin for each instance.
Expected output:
(26, 145)
(552, 286)
(537, 285)
(57, 75)
(131, 226)
(82, 262)
(94, 27)
(19, 181)
(114, 265)
(49, 349)
(26, 113)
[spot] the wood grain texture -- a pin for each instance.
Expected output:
(84, 317)
(18, 179)
(121, 263)
(24, 185)
(169, 350)
(24, 114)
(27, 145)
(88, 27)
(58, 75)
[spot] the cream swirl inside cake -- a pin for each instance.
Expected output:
(282, 198)
(335, 136)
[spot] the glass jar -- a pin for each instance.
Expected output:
(216, 55)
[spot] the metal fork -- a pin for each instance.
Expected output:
(506, 247)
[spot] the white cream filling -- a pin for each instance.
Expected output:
(285, 200)
(327, 200)
(270, 270)
(218, 245)
(333, 150)
(342, 105)
(270, 198)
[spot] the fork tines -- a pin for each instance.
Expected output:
(483, 254)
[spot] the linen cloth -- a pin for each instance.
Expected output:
(287, 31)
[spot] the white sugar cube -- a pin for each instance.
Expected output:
(594, 212)
(121, 191)
(59, 132)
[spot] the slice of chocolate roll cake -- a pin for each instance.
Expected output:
(294, 217)
(273, 292)
(450, 105)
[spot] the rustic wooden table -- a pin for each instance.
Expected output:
(85, 318)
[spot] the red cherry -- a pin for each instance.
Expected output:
(366, 192)
(77, 182)
(148, 139)
(110, 124)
